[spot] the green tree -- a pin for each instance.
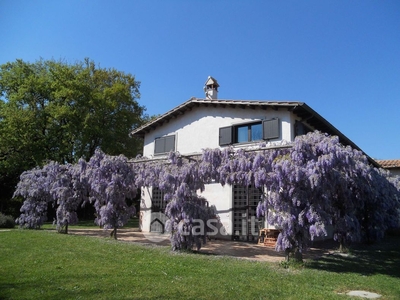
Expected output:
(53, 110)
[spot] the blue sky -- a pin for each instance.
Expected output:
(342, 58)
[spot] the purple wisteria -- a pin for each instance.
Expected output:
(111, 182)
(314, 185)
(34, 187)
(55, 184)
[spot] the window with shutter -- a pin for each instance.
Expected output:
(164, 144)
(225, 136)
(169, 143)
(249, 132)
(271, 129)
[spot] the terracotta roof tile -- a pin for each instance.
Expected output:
(389, 163)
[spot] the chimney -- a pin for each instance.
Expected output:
(211, 88)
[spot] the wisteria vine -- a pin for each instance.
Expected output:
(315, 183)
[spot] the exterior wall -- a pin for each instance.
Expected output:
(145, 209)
(199, 129)
(221, 198)
(395, 171)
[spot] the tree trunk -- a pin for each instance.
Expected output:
(341, 245)
(298, 256)
(294, 254)
(287, 254)
(114, 233)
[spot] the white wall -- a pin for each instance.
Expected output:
(221, 197)
(395, 171)
(199, 129)
(145, 209)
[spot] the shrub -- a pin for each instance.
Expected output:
(6, 221)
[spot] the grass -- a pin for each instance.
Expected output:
(45, 265)
(87, 224)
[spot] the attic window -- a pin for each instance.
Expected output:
(249, 132)
(164, 144)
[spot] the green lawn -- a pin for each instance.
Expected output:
(132, 223)
(43, 264)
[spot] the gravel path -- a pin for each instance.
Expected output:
(242, 250)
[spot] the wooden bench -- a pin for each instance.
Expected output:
(268, 237)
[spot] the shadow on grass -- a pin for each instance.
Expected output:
(381, 258)
(38, 289)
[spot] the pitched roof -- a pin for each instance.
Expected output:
(389, 163)
(300, 109)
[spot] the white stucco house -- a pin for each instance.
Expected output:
(211, 123)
